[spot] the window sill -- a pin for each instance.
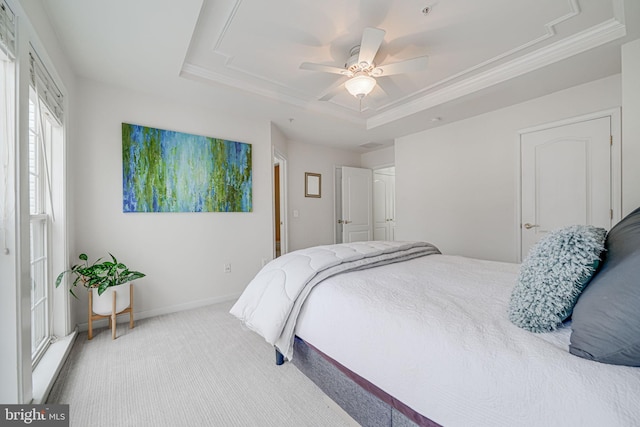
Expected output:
(48, 368)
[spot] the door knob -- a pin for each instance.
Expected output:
(529, 226)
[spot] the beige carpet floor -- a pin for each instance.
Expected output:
(193, 368)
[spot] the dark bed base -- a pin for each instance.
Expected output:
(363, 401)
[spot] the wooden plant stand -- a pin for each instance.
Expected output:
(112, 316)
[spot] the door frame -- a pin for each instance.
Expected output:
(616, 165)
(337, 203)
(281, 159)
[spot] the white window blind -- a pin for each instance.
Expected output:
(44, 85)
(7, 32)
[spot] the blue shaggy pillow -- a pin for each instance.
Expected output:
(553, 275)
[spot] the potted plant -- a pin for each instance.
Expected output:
(100, 277)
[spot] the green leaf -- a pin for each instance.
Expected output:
(59, 279)
(99, 274)
(133, 275)
(103, 287)
(95, 281)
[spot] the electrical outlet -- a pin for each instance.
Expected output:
(264, 261)
(227, 268)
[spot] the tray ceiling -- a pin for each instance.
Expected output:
(258, 46)
(245, 55)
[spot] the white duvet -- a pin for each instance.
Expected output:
(271, 302)
(434, 333)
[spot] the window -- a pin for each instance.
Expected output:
(32, 160)
(7, 116)
(42, 132)
(7, 32)
(45, 140)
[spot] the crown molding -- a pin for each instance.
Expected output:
(549, 32)
(590, 38)
(195, 72)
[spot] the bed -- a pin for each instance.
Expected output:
(426, 340)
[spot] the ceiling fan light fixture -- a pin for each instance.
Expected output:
(360, 85)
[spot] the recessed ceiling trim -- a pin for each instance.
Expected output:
(595, 36)
(229, 59)
(205, 74)
(226, 26)
(197, 73)
(251, 81)
(194, 72)
(370, 145)
(549, 31)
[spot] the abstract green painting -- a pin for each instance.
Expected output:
(168, 171)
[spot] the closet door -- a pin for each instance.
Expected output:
(357, 205)
(383, 206)
(566, 178)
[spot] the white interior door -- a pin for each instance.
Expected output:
(566, 178)
(357, 205)
(383, 205)
(391, 207)
(338, 205)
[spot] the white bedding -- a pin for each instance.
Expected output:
(271, 302)
(434, 333)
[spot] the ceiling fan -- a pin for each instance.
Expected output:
(361, 69)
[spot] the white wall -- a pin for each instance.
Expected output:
(456, 185)
(278, 140)
(630, 126)
(182, 253)
(378, 158)
(314, 225)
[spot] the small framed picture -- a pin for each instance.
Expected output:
(312, 184)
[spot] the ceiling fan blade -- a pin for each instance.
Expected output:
(408, 66)
(371, 41)
(380, 89)
(333, 91)
(325, 69)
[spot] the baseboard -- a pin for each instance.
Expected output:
(102, 323)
